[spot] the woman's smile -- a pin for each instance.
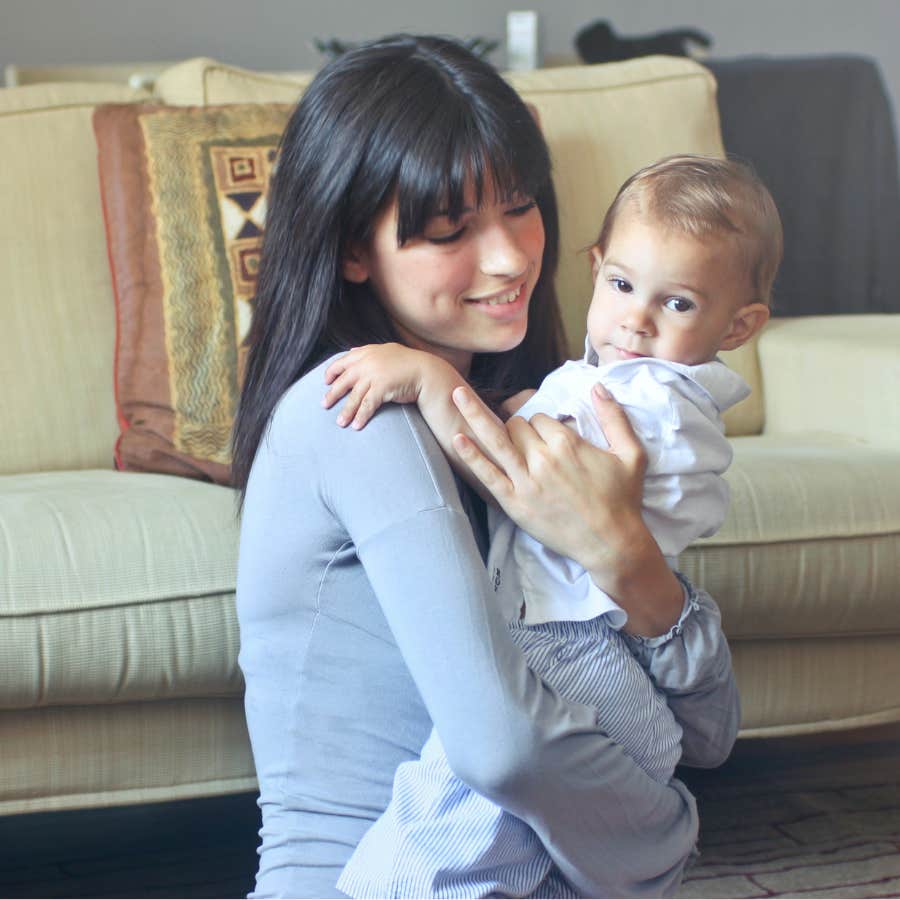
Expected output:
(462, 293)
(507, 305)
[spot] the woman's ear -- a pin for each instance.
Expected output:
(747, 322)
(355, 266)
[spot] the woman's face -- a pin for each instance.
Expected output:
(463, 286)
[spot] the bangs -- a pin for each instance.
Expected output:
(455, 153)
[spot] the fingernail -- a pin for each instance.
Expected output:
(461, 396)
(602, 392)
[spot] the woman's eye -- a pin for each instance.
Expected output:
(679, 304)
(523, 208)
(446, 238)
(621, 285)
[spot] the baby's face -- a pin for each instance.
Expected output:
(664, 294)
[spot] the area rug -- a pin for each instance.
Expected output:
(818, 817)
(801, 822)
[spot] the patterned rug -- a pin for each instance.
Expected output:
(795, 819)
(818, 817)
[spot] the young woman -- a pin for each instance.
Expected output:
(412, 202)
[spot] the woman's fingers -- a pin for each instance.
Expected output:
(489, 433)
(493, 478)
(553, 434)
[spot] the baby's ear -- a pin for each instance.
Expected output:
(596, 259)
(747, 321)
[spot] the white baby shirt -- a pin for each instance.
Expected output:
(676, 412)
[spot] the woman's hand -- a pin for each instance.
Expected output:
(580, 501)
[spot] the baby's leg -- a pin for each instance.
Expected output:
(438, 838)
(589, 662)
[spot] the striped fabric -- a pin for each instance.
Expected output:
(438, 838)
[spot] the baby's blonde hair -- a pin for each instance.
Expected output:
(700, 196)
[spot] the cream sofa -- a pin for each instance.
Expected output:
(118, 639)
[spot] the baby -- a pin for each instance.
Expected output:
(683, 268)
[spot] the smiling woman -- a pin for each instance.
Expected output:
(412, 204)
(464, 285)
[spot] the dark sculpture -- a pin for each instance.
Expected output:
(597, 43)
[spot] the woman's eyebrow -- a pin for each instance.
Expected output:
(445, 213)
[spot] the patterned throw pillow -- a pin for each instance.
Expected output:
(184, 192)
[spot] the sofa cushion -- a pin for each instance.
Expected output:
(72, 757)
(601, 122)
(817, 684)
(811, 545)
(184, 199)
(205, 82)
(56, 344)
(114, 587)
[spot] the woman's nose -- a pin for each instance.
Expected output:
(502, 253)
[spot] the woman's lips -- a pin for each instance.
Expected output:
(508, 304)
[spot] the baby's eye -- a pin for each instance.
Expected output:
(680, 304)
(621, 285)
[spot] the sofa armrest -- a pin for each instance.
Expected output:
(835, 374)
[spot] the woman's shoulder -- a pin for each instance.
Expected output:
(394, 463)
(306, 392)
(396, 436)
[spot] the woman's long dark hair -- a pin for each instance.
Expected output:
(416, 118)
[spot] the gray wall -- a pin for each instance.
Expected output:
(276, 34)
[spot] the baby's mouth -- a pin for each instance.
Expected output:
(627, 354)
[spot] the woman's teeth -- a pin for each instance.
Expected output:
(503, 298)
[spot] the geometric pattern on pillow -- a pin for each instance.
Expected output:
(184, 203)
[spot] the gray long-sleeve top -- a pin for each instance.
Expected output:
(366, 615)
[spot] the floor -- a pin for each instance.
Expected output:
(206, 848)
(195, 848)
(815, 817)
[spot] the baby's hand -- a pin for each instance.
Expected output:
(373, 375)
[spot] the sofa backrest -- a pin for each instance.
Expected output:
(57, 354)
(56, 306)
(602, 123)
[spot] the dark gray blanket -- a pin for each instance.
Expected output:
(820, 133)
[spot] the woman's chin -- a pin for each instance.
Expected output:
(502, 343)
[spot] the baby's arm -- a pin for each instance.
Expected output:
(376, 374)
(512, 405)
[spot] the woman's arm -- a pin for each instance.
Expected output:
(368, 377)
(612, 829)
(675, 630)
(583, 502)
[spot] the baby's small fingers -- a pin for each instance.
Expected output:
(342, 363)
(341, 385)
(351, 405)
(367, 408)
(335, 369)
